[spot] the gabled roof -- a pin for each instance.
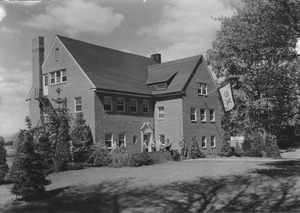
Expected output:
(110, 69)
(181, 69)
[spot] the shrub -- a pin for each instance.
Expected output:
(140, 159)
(82, 139)
(273, 150)
(28, 177)
(258, 146)
(176, 155)
(120, 157)
(160, 156)
(44, 148)
(3, 164)
(195, 151)
(62, 154)
(226, 150)
(237, 150)
(75, 166)
(100, 156)
(246, 146)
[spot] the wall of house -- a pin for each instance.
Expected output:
(211, 101)
(172, 124)
(116, 123)
(77, 84)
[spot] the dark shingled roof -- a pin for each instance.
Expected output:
(181, 70)
(111, 69)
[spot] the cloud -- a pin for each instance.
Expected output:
(14, 86)
(77, 16)
(23, 2)
(8, 31)
(186, 28)
(2, 13)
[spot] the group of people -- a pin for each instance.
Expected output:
(157, 146)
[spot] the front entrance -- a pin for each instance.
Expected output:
(146, 135)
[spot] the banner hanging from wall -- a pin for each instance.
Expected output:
(227, 97)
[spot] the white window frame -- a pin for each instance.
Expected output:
(135, 105)
(46, 80)
(193, 113)
(213, 141)
(111, 140)
(123, 104)
(202, 89)
(203, 119)
(57, 77)
(77, 104)
(161, 86)
(212, 115)
(106, 104)
(161, 113)
(204, 141)
(123, 139)
(57, 54)
(146, 105)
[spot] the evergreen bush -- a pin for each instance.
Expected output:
(82, 140)
(273, 150)
(140, 159)
(247, 146)
(195, 150)
(120, 157)
(237, 150)
(100, 156)
(44, 148)
(3, 163)
(176, 155)
(28, 176)
(160, 156)
(62, 154)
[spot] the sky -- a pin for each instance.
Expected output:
(174, 28)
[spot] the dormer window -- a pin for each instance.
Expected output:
(161, 86)
(202, 89)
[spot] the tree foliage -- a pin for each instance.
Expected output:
(82, 139)
(255, 51)
(3, 164)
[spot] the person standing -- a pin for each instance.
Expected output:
(182, 145)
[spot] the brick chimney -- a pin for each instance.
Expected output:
(37, 61)
(156, 57)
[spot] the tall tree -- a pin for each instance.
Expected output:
(3, 163)
(82, 139)
(255, 51)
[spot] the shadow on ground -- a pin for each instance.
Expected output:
(249, 192)
(281, 169)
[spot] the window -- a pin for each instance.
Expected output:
(161, 86)
(202, 89)
(213, 141)
(52, 78)
(193, 115)
(162, 139)
(58, 77)
(212, 115)
(78, 104)
(107, 103)
(161, 112)
(133, 105)
(57, 54)
(134, 139)
(203, 141)
(203, 115)
(46, 80)
(120, 104)
(122, 140)
(145, 106)
(108, 140)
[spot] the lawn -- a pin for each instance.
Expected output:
(206, 185)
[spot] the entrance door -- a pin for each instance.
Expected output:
(146, 135)
(45, 85)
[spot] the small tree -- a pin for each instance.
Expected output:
(226, 149)
(3, 164)
(44, 148)
(62, 153)
(82, 139)
(195, 151)
(28, 176)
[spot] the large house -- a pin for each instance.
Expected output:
(126, 97)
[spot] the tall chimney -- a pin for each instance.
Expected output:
(37, 61)
(156, 57)
(35, 107)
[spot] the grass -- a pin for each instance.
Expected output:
(189, 186)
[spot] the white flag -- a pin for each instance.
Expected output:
(227, 97)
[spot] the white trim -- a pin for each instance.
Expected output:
(111, 105)
(205, 142)
(77, 63)
(159, 113)
(111, 138)
(205, 119)
(148, 106)
(214, 115)
(136, 105)
(213, 140)
(75, 104)
(119, 93)
(193, 112)
(120, 105)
